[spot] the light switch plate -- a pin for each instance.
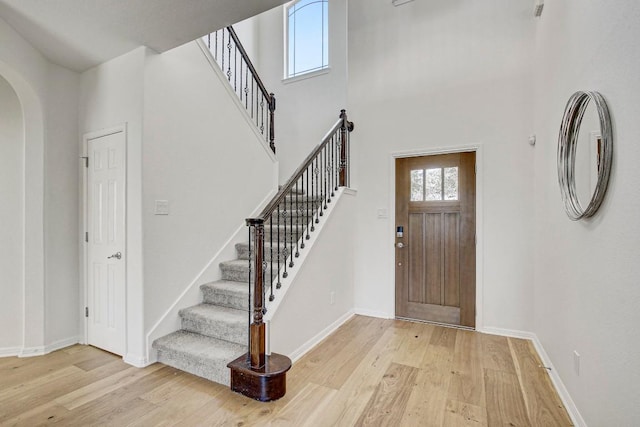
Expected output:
(383, 213)
(162, 207)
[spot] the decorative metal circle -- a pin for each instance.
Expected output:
(301, 209)
(246, 90)
(329, 169)
(229, 45)
(264, 265)
(316, 171)
(285, 214)
(229, 74)
(567, 145)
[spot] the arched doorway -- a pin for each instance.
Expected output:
(11, 217)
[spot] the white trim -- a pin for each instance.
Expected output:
(65, 342)
(562, 391)
(307, 75)
(84, 227)
(316, 339)
(46, 349)
(373, 313)
(9, 351)
(511, 333)
(478, 149)
(568, 402)
(234, 97)
(138, 362)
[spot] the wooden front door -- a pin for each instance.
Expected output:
(435, 238)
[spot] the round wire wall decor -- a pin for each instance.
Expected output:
(567, 146)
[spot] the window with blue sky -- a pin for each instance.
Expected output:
(307, 37)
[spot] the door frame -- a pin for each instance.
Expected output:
(84, 251)
(478, 149)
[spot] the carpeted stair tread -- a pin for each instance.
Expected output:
(199, 355)
(226, 293)
(238, 270)
(225, 323)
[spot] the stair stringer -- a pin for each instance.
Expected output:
(291, 307)
(191, 295)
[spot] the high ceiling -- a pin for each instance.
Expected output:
(79, 34)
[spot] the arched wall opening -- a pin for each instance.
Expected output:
(11, 217)
(31, 325)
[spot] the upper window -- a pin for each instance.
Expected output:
(307, 37)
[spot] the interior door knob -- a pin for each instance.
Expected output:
(400, 245)
(117, 255)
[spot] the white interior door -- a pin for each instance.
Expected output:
(106, 257)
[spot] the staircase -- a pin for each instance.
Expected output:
(216, 332)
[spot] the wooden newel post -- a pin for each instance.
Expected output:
(347, 126)
(257, 328)
(272, 133)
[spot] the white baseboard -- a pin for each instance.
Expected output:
(9, 351)
(513, 333)
(137, 361)
(567, 401)
(373, 313)
(304, 348)
(57, 345)
(46, 349)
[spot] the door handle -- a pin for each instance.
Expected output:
(400, 245)
(117, 255)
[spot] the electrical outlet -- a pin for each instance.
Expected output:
(576, 362)
(332, 297)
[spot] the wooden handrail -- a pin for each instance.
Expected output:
(344, 125)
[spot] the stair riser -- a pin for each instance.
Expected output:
(232, 300)
(241, 275)
(213, 371)
(243, 253)
(229, 332)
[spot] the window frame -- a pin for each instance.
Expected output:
(305, 74)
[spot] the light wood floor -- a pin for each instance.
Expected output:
(369, 372)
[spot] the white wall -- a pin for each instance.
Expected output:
(306, 311)
(61, 208)
(11, 217)
(202, 154)
(306, 108)
(444, 74)
(48, 99)
(111, 95)
(586, 273)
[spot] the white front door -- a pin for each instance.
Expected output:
(106, 256)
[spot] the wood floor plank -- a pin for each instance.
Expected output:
(347, 405)
(496, 353)
(428, 398)
(100, 388)
(346, 358)
(467, 381)
(306, 409)
(414, 346)
(505, 405)
(543, 408)
(389, 400)
(459, 414)
(183, 396)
